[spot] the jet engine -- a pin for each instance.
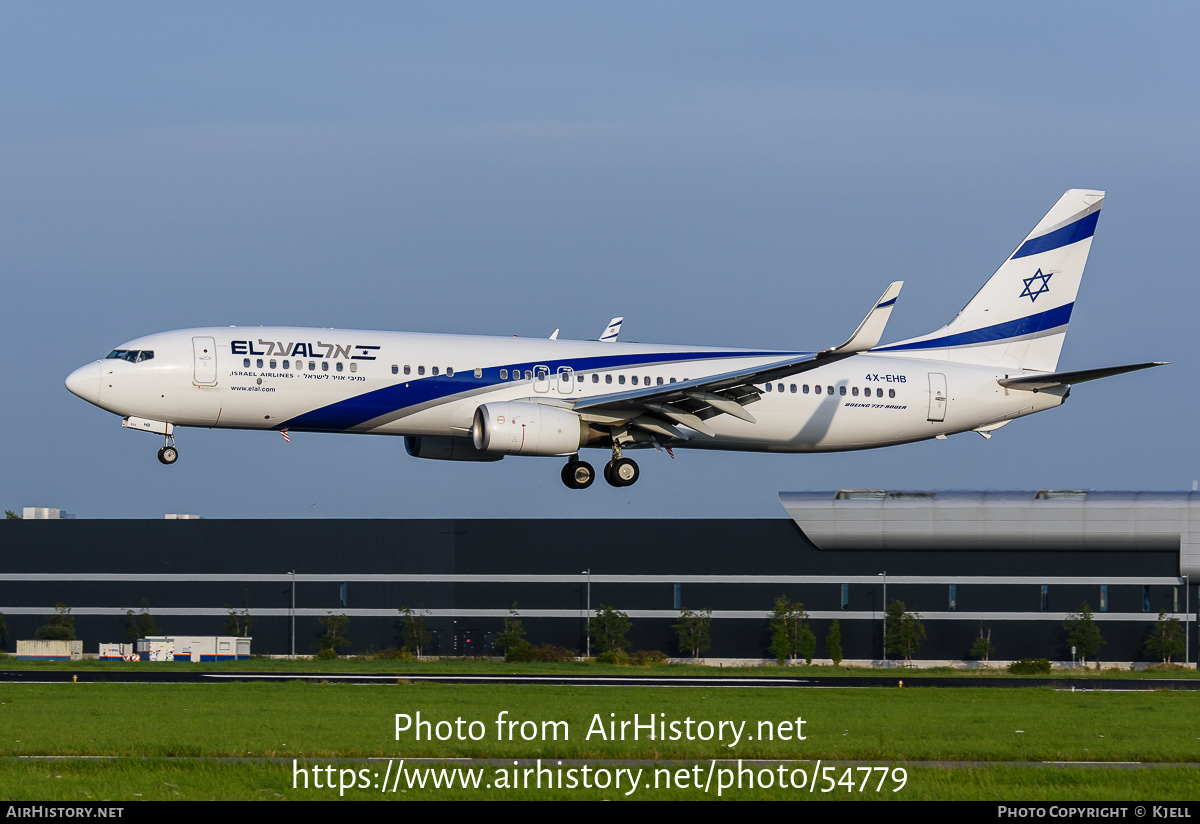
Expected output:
(445, 449)
(517, 428)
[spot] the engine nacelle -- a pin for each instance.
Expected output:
(445, 449)
(518, 428)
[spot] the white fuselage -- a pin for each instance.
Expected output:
(394, 383)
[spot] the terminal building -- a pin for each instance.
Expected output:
(1012, 564)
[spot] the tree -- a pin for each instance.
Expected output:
(833, 642)
(140, 625)
(607, 628)
(511, 637)
(1083, 634)
(58, 627)
(414, 632)
(238, 622)
(789, 631)
(1166, 638)
(982, 648)
(334, 638)
(905, 632)
(692, 631)
(9, 515)
(3, 633)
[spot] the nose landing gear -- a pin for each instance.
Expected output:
(168, 454)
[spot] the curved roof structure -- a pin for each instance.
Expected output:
(856, 519)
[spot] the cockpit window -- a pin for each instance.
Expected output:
(131, 355)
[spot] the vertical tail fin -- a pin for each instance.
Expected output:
(1019, 318)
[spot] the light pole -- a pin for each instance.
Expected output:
(587, 625)
(884, 574)
(292, 613)
(1187, 622)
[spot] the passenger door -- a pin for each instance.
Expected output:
(204, 352)
(937, 397)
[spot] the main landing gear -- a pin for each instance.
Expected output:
(578, 474)
(168, 454)
(618, 472)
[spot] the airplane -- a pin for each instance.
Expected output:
(473, 398)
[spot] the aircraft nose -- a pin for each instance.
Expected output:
(85, 382)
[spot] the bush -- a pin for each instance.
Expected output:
(608, 627)
(647, 657)
(544, 654)
(391, 654)
(833, 642)
(1030, 666)
(616, 656)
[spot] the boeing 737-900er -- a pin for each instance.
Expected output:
(466, 398)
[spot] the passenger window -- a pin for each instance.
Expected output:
(353, 367)
(435, 370)
(272, 364)
(879, 393)
(841, 390)
(829, 389)
(503, 374)
(395, 369)
(646, 380)
(312, 366)
(259, 364)
(478, 372)
(634, 380)
(891, 393)
(817, 389)
(339, 366)
(854, 391)
(407, 369)
(287, 364)
(608, 378)
(579, 378)
(595, 378)
(621, 379)
(660, 381)
(528, 374)
(672, 380)
(779, 387)
(420, 370)
(793, 389)
(805, 389)
(324, 366)
(768, 387)
(449, 371)
(245, 363)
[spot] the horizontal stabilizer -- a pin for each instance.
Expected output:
(1035, 382)
(868, 333)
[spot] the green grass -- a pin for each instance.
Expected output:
(330, 720)
(484, 666)
(137, 730)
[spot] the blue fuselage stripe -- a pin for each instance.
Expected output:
(411, 392)
(1001, 331)
(1081, 229)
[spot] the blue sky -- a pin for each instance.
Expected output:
(725, 174)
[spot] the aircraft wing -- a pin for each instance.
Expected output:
(1034, 383)
(691, 402)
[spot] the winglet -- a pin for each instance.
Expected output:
(868, 333)
(614, 328)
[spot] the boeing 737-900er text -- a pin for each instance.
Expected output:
(466, 398)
